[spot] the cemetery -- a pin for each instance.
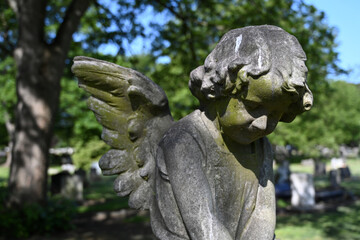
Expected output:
(172, 120)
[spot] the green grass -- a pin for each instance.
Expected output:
(340, 224)
(297, 167)
(100, 189)
(4, 173)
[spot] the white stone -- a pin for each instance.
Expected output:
(302, 190)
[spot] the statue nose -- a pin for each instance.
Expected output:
(260, 123)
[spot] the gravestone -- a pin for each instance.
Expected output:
(302, 191)
(283, 172)
(335, 178)
(95, 171)
(349, 152)
(320, 168)
(209, 175)
(67, 185)
(339, 172)
(345, 172)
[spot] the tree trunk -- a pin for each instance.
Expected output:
(40, 67)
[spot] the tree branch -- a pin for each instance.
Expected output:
(70, 24)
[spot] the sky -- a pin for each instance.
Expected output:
(345, 16)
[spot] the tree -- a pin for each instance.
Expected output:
(40, 47)
(39, 70)
(334, 121)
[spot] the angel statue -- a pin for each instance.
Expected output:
(209, 175)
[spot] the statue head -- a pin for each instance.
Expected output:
(257, 66)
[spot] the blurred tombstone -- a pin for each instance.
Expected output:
(281, 153)
(345, 172)
(320, 168)
(337, 163)
(348, 152)
(56, 182)
(95, 171)
(283, 172)
(82, 174)
(335, 178)
(302, 190)
(325, 152)
(282, 186)
(72, 187)
(67, 163)
(67, 185)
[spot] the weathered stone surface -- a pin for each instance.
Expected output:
(208, 176)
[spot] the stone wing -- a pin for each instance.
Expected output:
(134, 113)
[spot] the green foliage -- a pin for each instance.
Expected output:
(334, 120)
(88, 152)
(7, 97)
(35, 219)
(8, 33)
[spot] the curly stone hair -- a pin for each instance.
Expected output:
(246, 54)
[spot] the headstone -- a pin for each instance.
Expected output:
(82, 174)
(337, 163)
(320, 168)
(335, 178)
(325, 152)
(348, 152)
(302, 191)
(72, 187)
(283, 172)
(67, 185)
(68, 167)
(281, 153)
(95, 171)
(57, 182)
(345, 172)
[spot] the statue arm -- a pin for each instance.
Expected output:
(183, 158)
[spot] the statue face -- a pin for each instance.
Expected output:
(257, 112)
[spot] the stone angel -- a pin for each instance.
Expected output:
(209, 175)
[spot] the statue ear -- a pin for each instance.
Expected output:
(307, 99)
(304, 103)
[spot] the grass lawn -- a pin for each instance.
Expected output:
(342, 223)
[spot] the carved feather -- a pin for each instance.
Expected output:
(134, 113)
